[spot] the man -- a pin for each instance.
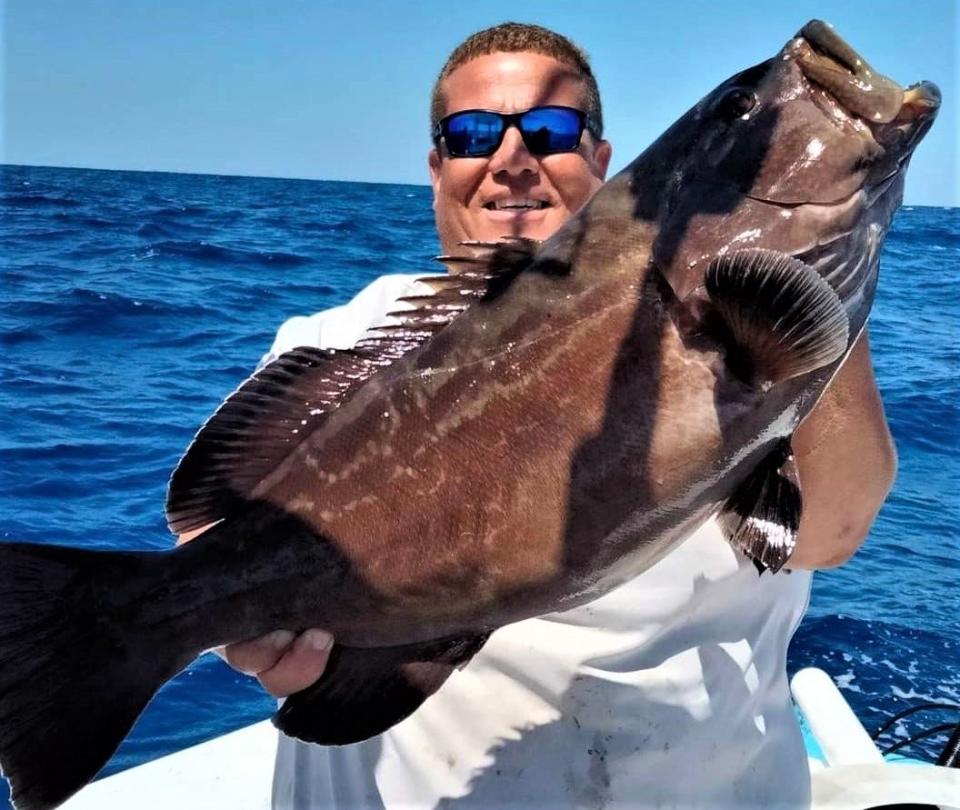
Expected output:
(669, 691)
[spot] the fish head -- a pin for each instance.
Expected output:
(815, 124)
(803, 154)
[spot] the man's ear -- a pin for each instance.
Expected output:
(434, 163)
(602, 153)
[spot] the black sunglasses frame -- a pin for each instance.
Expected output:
(513, 120)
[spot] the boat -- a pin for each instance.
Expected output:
(848, 770)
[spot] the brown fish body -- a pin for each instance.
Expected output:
(524, 461)
(494, 445)
(556, 440)
(601, 395)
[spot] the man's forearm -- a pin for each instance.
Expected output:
(846, 462)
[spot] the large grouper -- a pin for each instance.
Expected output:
(547, 425)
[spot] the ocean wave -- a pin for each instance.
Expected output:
(81, 310)
(86, 221)
(152, 198)
(110, 302)
(18, 337)
(31, 200)
(30, 236)
(912, 414)
(59, 452)
(881, 668)
(99, 248)
(40, 387)
(179, 211)
(154, 230)
(920, 237)
(185, 340)
(341, 227)
(209, 253)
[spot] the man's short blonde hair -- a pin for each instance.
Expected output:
(511, 37)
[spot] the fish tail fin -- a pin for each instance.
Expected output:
(75, 670)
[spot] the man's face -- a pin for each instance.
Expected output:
(472, 196)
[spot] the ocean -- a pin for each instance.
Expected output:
(133, 302)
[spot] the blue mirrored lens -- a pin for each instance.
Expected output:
(547, 130)
(474, 133)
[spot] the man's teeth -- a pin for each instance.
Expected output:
(515, 205)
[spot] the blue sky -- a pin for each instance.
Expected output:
(322, 89)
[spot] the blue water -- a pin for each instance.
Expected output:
(132, 303)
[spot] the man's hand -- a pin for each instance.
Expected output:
(282, 661)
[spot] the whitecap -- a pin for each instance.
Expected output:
(911, 694)
(846, 681)
(950, 692)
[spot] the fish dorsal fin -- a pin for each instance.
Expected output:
(492, 264)
(762, 516)
(783, 319)
(282, 404)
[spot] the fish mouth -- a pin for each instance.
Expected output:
(828, 61)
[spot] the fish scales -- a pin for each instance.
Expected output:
(524, 398)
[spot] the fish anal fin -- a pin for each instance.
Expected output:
(365, 691)
(762, 516)
(780, 318)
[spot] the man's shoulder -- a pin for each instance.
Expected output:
(386, 290)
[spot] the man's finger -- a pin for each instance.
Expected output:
(259, 654)
(301, 665)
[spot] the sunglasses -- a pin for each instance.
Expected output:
(545, 130)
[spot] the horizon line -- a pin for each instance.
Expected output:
(3, 165)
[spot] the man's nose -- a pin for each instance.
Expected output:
(512, 157)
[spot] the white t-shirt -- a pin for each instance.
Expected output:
(668, 692)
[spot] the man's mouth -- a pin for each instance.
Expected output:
(515, 204)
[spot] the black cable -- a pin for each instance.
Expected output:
(950, 756)
(913, 710)
(930, 732)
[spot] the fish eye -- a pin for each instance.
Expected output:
(735, 103)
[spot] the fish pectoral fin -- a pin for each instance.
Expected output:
(365, 691)
(762, 516)
(779, 318)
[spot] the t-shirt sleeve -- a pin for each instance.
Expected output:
(342, 327)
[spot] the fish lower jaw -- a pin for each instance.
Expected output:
(824, 208)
